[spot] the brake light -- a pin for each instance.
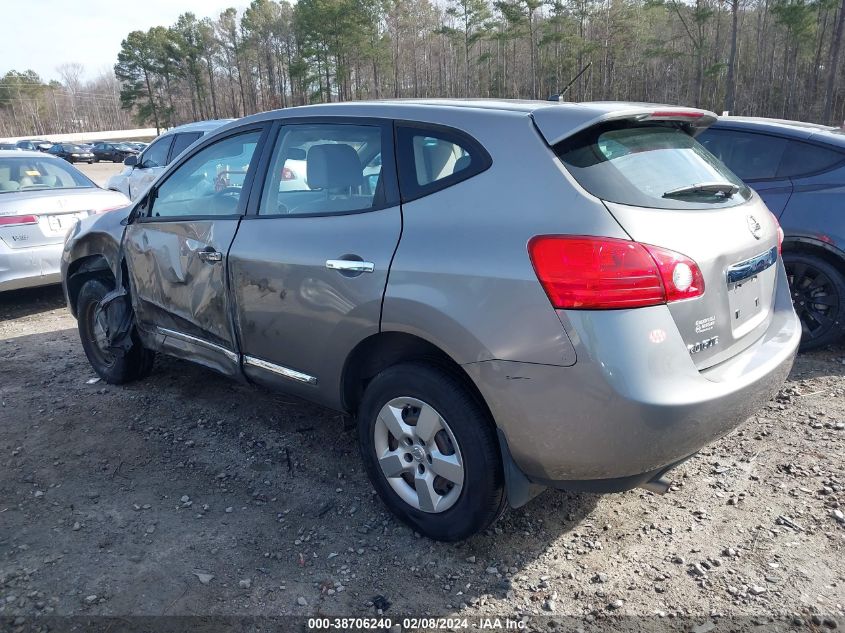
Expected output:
(288, 174)
(672, 115)
(605, 273)
(16, 220)
(780, 233)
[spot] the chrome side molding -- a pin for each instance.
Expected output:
(232, 356)
(287, 372)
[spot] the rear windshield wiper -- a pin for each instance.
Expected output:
(723, 189)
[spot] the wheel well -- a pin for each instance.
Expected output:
(80, 271)
(380, 351)
(808, 248)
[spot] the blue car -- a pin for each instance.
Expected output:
(799, 171)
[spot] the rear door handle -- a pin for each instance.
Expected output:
(210, 256)
(350, 265)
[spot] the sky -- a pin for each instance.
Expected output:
(43, 34)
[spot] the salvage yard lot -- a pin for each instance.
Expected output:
(189, 494)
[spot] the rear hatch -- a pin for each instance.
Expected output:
(666, 190)
(39, 218)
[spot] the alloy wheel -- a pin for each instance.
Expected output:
(815, 298)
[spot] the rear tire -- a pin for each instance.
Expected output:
(136, 363)
(818, 294)
(401, 407)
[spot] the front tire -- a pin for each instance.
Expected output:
(818, 294)
(431, 452)
(136, 363)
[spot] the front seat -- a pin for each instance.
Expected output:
(336, 169)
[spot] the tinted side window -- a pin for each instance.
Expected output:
(750, 156)
(805, 158)
(431, 159)
(156, 154)
(319, 169)
(181, 143)
(209, 183)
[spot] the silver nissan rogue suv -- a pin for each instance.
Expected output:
(506, 295)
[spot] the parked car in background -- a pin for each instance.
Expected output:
(41, 197)
(115, 152)
(143, 169)
(72, 153)
(9, 146)
(588, 328)
(136, 145)
(35, 145)
(799, 171)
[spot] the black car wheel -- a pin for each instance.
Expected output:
(818, 294)
(431, 451)
(136, 363)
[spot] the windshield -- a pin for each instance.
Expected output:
(650, 165)
(29, 174)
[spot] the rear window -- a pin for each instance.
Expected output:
(649, 165)
(25, 174)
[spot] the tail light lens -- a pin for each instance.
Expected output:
(15, 220)
(780, 234)
(288, 174)
(606, 273)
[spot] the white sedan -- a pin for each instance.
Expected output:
(41, 198)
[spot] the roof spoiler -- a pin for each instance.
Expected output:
(560, 121)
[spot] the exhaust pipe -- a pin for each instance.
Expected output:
(659, 485)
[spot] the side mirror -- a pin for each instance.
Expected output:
(131, 160)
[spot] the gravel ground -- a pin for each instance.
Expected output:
(189, 494)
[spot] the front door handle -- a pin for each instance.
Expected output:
(210, 256)
(350, 265)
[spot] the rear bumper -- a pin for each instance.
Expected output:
(29, 267)
(634, 403)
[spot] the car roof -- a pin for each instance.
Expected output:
(197, 126)
(526, 106)
(782, 127)
(555, 119)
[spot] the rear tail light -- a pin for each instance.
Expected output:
(605, 273)
(288, 174)
(780, 233)
(15, 220)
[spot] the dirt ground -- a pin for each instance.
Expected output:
(189, 494)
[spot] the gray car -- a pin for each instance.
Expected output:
(41, 197)
(506, 296)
